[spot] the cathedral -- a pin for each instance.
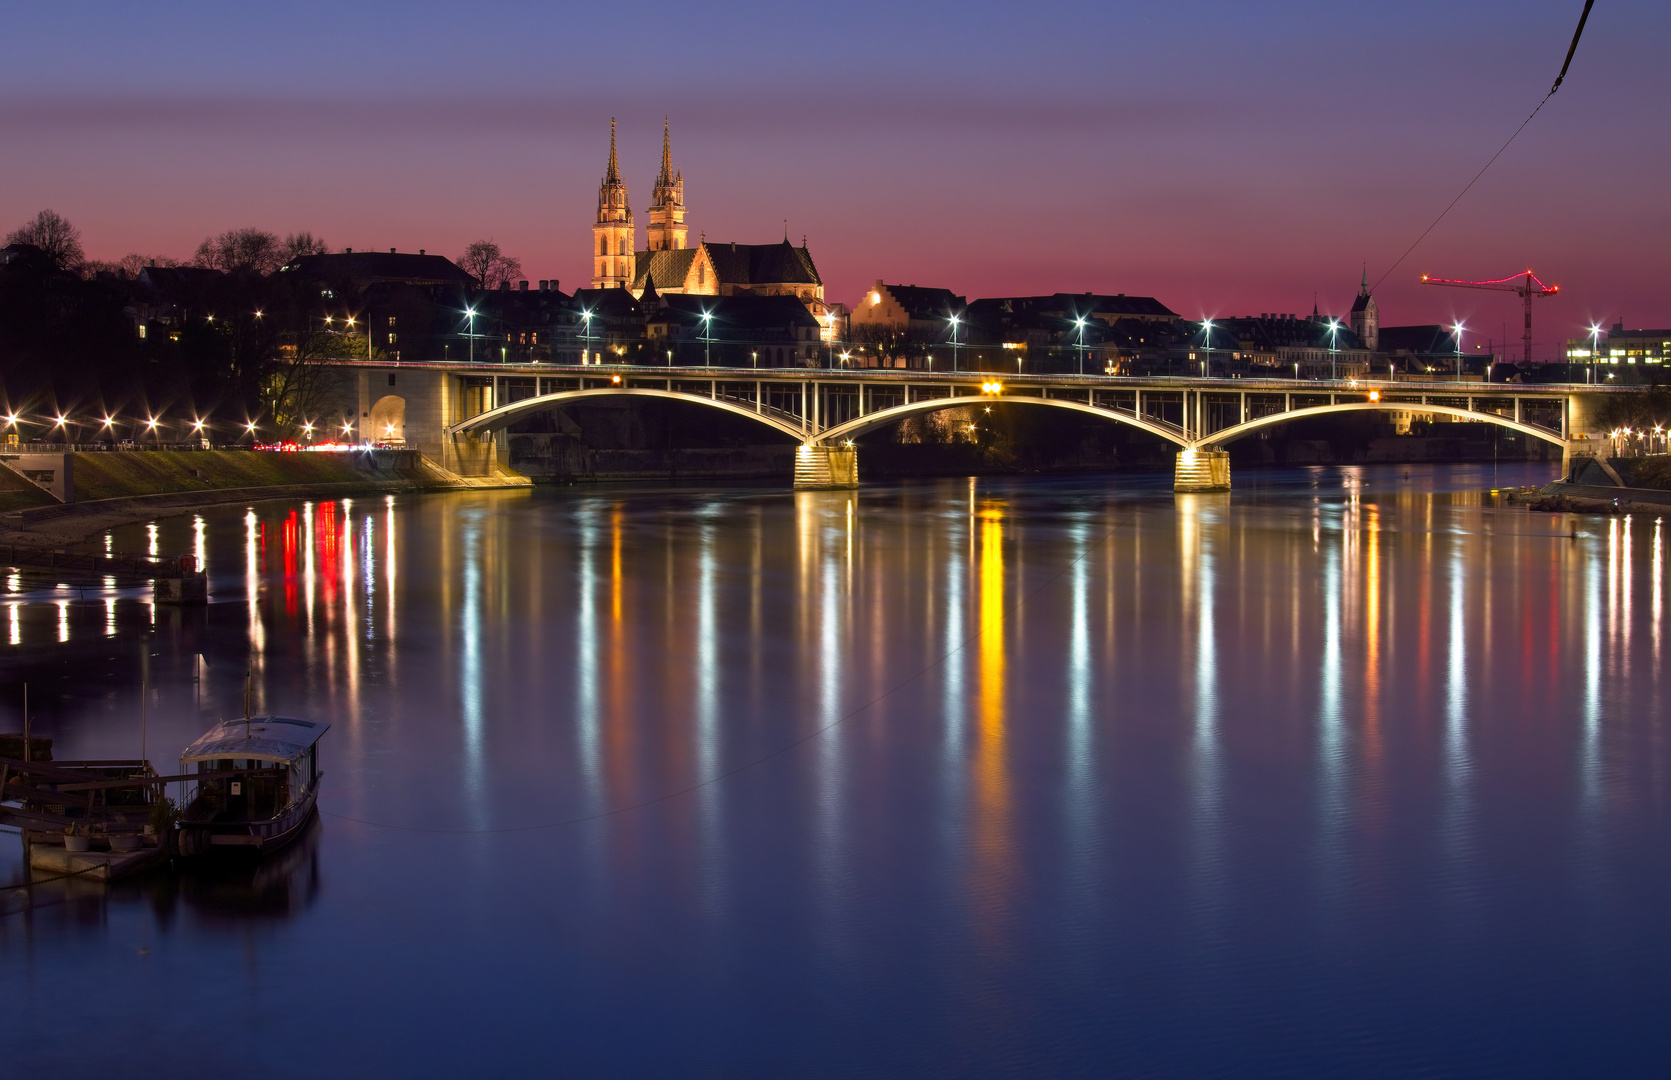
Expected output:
(668, 266)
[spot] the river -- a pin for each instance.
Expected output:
(1352, 772)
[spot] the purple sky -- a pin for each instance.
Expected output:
(1226, 158)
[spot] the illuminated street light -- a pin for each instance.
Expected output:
(586, 321)
(707, 338)
(1457, 327)
(953, 319)
(1334, 334)
(470, 312)
(1207, 346)
(1079, 322)
(1595, 348)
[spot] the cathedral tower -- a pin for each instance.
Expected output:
(613, 262)
(666, 231)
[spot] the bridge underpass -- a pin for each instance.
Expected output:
(826, 410)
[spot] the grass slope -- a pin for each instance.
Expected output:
(119, 475)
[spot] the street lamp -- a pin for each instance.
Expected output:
(1334, 339)
(1207, 341)
(470, 312)
(954, 321)
(707, 339)
(1595, 348)
(586, 323)
(1080, 322)
(1457, 328)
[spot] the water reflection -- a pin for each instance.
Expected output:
(983, 745)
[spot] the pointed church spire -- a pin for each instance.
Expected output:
(1363, 289)
(613, 176)
(667, 199)
(666, 177)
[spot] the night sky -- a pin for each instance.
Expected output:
(1228, 158)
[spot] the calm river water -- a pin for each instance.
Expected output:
(1354, 772)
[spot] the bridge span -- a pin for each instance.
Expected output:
(458, 413)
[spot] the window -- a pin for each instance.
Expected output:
(391, 320)
(391, 339)
(603, 246)
(391, 378)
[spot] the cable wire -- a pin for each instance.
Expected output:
(1571, 49)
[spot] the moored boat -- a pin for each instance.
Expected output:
(257, 783)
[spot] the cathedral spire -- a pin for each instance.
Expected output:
(613, 259)
(666, 231)
(1363, 289)
(666, 177)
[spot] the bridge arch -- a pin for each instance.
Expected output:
(862, 425)
(1231, 434)
(497, 419)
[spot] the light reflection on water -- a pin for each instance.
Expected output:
(1066, 778)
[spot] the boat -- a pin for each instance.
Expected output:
(257, 784)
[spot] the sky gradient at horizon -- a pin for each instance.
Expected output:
(1223, 158)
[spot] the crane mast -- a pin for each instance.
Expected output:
(1527, 286)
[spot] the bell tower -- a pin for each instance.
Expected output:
(1366, 316)
(666, 231)
(613, 261)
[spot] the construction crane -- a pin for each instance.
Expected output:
(1527, 286)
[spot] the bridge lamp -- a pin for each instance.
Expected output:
(327, 320)
(250, 427)
(258, 313)
(350, 320)
(197, 425)
(59, 422)
(1375, 395)
(954, 320)
(109, 420)
(151, 422)
(1457, 328)
(346, 428)
(615, 380)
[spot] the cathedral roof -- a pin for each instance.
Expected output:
(1361, 304)
(668, 268)
(762, 264)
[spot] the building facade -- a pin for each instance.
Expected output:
(614, 261)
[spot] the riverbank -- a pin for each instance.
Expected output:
(116, 488)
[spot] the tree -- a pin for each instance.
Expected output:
(302, 381)
(240, 249)
(298, 244)
(53, 234)
(490, 267)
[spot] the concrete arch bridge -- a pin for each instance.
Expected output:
(825, 410)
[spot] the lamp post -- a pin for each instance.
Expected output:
(1334, 339)
(1080, 322)
(471, 312)
(586, 323)
(954, 321)
(1595, 348)
(1207, 343)
(707, 339)
(1457, 328)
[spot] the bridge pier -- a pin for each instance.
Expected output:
(1202, 470)
(826, 467)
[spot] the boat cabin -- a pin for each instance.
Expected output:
(252, 770)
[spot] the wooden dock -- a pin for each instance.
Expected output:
(106, 806)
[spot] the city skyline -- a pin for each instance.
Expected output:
(1036, 163)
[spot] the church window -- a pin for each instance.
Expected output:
(702, 275)
(603, 246)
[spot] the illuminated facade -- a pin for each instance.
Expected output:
(666, 231)
(1621, 346)
(613, 258)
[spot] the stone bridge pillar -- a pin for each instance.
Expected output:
(826, 466)
(1202, 470)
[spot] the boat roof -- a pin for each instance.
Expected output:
(263, 738)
